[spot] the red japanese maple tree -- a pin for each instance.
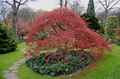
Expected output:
(64, 30)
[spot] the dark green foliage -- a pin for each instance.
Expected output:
(57, 63)
(92, 21)
(90, 9)
(7, 43)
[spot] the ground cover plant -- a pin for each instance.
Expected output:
(67, 33)
(57, 63)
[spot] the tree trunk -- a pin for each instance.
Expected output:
(22, 37)
(66, 2)
(14, 21)
(61, 3)
(105, 16)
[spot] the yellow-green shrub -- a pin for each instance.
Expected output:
(112, 23)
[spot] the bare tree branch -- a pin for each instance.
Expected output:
(108, 5)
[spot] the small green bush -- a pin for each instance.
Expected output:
(7, 43)
(112, 23)
(57, 63)
(92, 21)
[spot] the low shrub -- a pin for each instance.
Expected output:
(112, 24)
(57, 63)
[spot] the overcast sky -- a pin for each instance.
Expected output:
(49, 4)
(52, 4)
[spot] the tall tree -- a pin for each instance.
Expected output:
(15, 4)
(4, 8)
(76, 7)
(90, 9)
(63, 3)
(108, 5)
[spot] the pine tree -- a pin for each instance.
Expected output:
(90, 9)
(92, 21)
(7, 44)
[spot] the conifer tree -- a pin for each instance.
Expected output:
(90, 9)
(7, 43)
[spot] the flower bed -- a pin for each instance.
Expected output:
(59, 63)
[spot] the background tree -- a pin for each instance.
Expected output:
(92, 21)
(63, 3)
(90, 9)
(4, 8)
(15, 4)
(111, 28)
(115, 12)
(108, 5)
(23, 28)
(76, 7)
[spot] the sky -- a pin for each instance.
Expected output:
(52, 4)
(49, 4)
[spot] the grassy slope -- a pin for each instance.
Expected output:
(7, 60)
(108, 68)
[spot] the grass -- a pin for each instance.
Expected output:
(26, 73)
(8, 59)
(108, 68)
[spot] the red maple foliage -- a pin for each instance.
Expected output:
(65, 31)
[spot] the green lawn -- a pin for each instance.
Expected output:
(108, 68)
(8, 59)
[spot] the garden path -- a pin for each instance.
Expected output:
(11, 72)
